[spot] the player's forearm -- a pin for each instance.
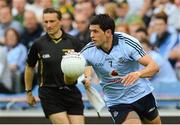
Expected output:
(150, 70)
(29, 74)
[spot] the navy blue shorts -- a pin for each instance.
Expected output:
(64, 99)
(144, 107)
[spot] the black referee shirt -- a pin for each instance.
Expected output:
(49, 54)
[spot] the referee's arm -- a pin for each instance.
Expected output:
(29, 74)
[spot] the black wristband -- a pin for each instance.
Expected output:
(28, 91)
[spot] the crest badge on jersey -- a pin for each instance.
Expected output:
(122, 60)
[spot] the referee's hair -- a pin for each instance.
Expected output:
(52, 10)
(104, 21)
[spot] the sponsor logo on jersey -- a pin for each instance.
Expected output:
(99, 65)
(45, 56)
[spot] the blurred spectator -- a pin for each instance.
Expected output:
(124, 15)
(67, 23)
(78, 8)
(175, 55)
(7, 21)
(174, 17)
(3, 3)
(46, 3)
(38, 7)
(82, 24)
(16, 56)
(134, 5)
(134, 26)
(32, 29)
(18, 9)
(110, 9)
(164, 5)
(88, 8)
(99, 9)
(122, 28)
(166, 73)
(141, 33)
(65, 6)
(5, 76)
(146, 11)
(162, 38)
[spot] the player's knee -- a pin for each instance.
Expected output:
(76, 119)
(156, 120)
(59, 118)
(132, 118)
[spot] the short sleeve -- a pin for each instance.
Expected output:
(77, 44)
(87, 53)
(134, 48)
(32, 55)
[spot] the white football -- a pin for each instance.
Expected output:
(73, 65)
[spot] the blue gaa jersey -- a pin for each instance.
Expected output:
(111, 66)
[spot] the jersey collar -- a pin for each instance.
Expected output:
(63, 36)
(114, 43)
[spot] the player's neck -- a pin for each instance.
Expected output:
(56, 35)
(108, 44)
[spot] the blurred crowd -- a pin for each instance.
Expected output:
(155, 23)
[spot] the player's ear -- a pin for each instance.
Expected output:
(108, 32)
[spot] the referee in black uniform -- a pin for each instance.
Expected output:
(62, 104)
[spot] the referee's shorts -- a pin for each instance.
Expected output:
(63, 99)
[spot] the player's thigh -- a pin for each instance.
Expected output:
(120, 113)
(147, 109)
(76, 119)
(157, 120)
(59, 118)
(132, 118)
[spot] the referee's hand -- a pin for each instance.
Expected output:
(30, 99)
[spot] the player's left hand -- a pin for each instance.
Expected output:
(130, 78)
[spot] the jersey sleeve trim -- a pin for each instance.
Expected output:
(89, 45)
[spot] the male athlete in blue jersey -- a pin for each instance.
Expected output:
(115, 57)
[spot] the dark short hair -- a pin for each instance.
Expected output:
(141, 29)
(161, 15)
(15, 32)
(147, 42)
(104, 21)
(52, 10)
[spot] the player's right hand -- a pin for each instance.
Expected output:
(30, 99)
(87, 82)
